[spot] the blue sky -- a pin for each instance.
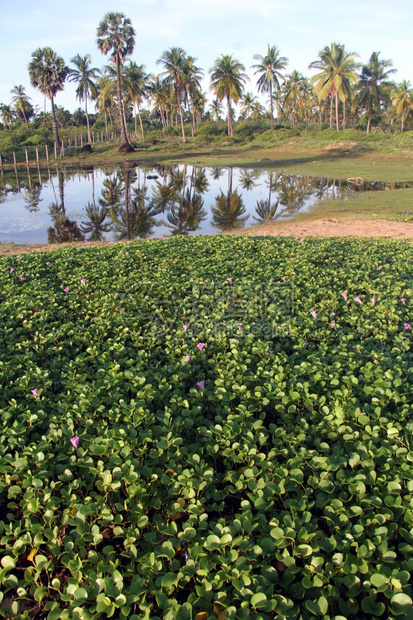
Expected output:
(205, 29)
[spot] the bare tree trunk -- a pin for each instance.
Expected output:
(337, 119)
(54, 125)
(87, 122)
(230, 133)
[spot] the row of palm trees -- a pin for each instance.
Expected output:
(341, 87)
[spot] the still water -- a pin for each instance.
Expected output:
(67, 204)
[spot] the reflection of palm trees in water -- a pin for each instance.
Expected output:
(63, 229)
(32, 197)
(265, 209)
(228, 211)
(95, 225)
(248, 179)
(292, 193)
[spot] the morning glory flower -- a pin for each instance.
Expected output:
(358, 300)
(301, 240)
(305, 345)
(34, 392)
(70, 258)
(11, 269)
(265, 243)
(21, 276)
(200, 345)
(75, 442)
(229, 280)
(201, 385)
(66, 290)
(234, 340)
(314, 314)
(380, 267)
(187, 358)
(344, 295)
(83, 281)
(47, 263)
(333, 325)
(407, 326)
(373, 300)
(403, 301)
(239, 325)
(185, 327)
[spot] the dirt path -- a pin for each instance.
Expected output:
(317, 228)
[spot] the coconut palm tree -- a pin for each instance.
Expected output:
(337, 76)
(402, 99)
(8, 114)
(136, 85)
(116, 36)
(105, 98)
(158, 92)
(269, 67)
(227, 81)
(247, 102)
(292, 92)
(48, 73)
(216, 109)
(174, 64)
(193, 90)
(21, 102)
(95, 225)
(373, 85)
(84, 75)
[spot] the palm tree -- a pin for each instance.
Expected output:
(173, 61)
(372, 85)
(227, 81)
(402, 100)
(115, 36)
(136, 83)
(292, 91)
(84, 75)
(247, 103)
(269, 67)
(20, 101)
(216, 109)
(337, 76)
(48, 73)
(105, 98)
(229, 209)
(193, 76)
(8, 114)
(159, 96)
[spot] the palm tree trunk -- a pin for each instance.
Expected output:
(368, 124)
(184, 140)
(229, 117)
(271, 107)
(331, 111)
(89, 137)
(402, 122)
(344, 114)
(140, 121)
(54, 125)
(121, 105)
(337, 120)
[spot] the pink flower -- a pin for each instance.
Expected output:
(265, 243)
(333, 314)
(75, 442)
(126, 252)
(200, 345)
(380, 267)
(66, 290)
(239, 325)
(201, 385)
(47, 263)
(358, 300)
(403, 301)
(234, 340)
(229, 280)
(70, 258)
(34, 392)
(83, 281)
(344, 295)
(305, 345)
(301, 240)
(333, 325)
(185, 327)
(11, 269)
(187, 358)
(373, 300)
(314, 314)
(407, 326)
(21, 276)
(270, 351)
(283, 278)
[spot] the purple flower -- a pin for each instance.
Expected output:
(403, 301)
(200, 345)
(11, 269)
(333, 314)
(358, 300)
(265, 243)
(83, 281)
(239, 325)
(75, 442)
(301, 240)
(229, 280)
(380, 267)
(407, 326)
(187, 358)
(234, 340)
(126, 252)
(333, 325)
(66, 290)
(47, 263)
(314, 314)
(305, 345)
(185, 327)
(201, 385)
(344, 295)
(34, 392)
(21, 276)
(18, 257)
(373, 300)
(70, 258)
(270, 351)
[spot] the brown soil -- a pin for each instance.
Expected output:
(317, 228)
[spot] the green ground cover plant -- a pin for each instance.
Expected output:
(210, 427)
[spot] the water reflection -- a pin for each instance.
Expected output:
(133, 202)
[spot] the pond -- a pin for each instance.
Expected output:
(132, 202)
